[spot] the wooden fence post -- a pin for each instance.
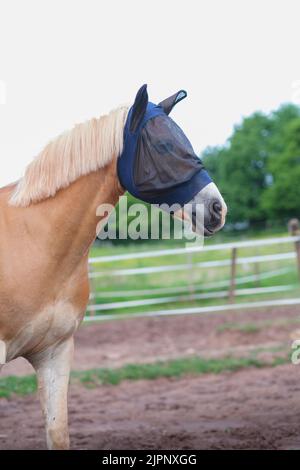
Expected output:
(297, 248)
(294, 229)
(256, 269)
(232, 275)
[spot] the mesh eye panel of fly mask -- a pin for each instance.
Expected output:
(158, 164)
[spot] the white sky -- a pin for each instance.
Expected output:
(64, 61)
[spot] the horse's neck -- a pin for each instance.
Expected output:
(70, 216)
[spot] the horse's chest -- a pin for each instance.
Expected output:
(54, 323)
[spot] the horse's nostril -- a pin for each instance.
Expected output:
(216, 209)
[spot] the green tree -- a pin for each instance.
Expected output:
(239, 168)
(282, 199)
(242, 168)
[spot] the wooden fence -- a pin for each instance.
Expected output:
(190, 292)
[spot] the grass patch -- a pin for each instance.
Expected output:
(174, 368)
(17, 385)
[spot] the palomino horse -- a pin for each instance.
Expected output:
(48, 223)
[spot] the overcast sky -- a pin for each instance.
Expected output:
(64, 61)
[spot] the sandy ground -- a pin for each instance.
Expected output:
(114, 343)
(251, 408)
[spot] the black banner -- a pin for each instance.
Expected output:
(135, 459)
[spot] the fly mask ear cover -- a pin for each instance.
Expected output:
(158, 164)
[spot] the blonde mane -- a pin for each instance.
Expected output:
(88, 147)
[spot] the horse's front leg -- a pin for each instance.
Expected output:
(53, 370)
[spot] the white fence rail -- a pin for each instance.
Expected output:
(199, 310)
(189, 292)
(196, 249)
(209, 295)
(184, 267)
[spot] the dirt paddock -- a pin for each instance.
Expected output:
(247, 409)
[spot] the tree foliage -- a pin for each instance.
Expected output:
(282, 198)
(255, 165)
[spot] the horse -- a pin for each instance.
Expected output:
(48, 223)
